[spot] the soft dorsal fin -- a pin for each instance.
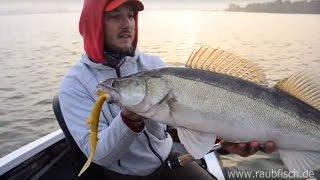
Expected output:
(304, 86)
(223, 62)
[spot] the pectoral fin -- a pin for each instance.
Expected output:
(197, 144)
(300, 161)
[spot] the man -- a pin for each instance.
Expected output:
(128, 146)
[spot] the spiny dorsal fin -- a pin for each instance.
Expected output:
(223, 62)
(304, 86)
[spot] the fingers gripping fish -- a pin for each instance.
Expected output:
(93, 122)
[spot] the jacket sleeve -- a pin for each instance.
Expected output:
(76, 104)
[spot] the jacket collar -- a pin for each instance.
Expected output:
(128, 59)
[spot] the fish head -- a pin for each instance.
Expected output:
(138, 93)
(125, 92)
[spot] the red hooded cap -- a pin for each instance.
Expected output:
(91, 25)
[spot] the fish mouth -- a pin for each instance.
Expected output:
(108, 87)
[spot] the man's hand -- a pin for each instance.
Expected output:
(131, 115)
(247, 149)
(134, 121)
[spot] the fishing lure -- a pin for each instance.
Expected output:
(93, 123)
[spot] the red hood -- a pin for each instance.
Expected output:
(91, 27)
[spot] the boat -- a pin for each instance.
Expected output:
(57, 156)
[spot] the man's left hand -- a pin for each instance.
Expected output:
(247, 149)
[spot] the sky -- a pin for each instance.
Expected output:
(56, 6)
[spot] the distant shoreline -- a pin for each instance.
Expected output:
(279, 6)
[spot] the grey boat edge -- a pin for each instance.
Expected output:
(50, 157)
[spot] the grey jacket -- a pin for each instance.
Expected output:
(119, 148)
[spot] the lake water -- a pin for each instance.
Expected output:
(37, 48)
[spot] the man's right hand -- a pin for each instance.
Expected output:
(131, 115)
(250, 148)
(134, 121)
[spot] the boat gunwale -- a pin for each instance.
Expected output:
(28, 151)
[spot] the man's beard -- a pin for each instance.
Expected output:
(126, 51)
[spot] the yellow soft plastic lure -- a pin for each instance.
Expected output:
(93, 122)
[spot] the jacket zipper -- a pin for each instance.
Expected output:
(118, 75)
(152, 149)
(118, 71)
(144, 132)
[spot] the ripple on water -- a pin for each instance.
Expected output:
(9, 143)
(10, 76)
(2, 113)
(42, 121)
(7, 89)
(44, 102)
(10, 135)
(27, 120)
(35, 92)
(316, 60)
(27, 66)
(15, 97)
(23, 129)
(5, 123)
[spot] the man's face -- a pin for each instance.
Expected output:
(119, 26)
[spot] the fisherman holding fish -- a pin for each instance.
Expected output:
(128, 145)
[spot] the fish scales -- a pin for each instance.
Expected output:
(238, 111)
(272, 97)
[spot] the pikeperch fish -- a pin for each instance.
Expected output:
(219, 94)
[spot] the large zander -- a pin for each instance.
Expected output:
(222, 95)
